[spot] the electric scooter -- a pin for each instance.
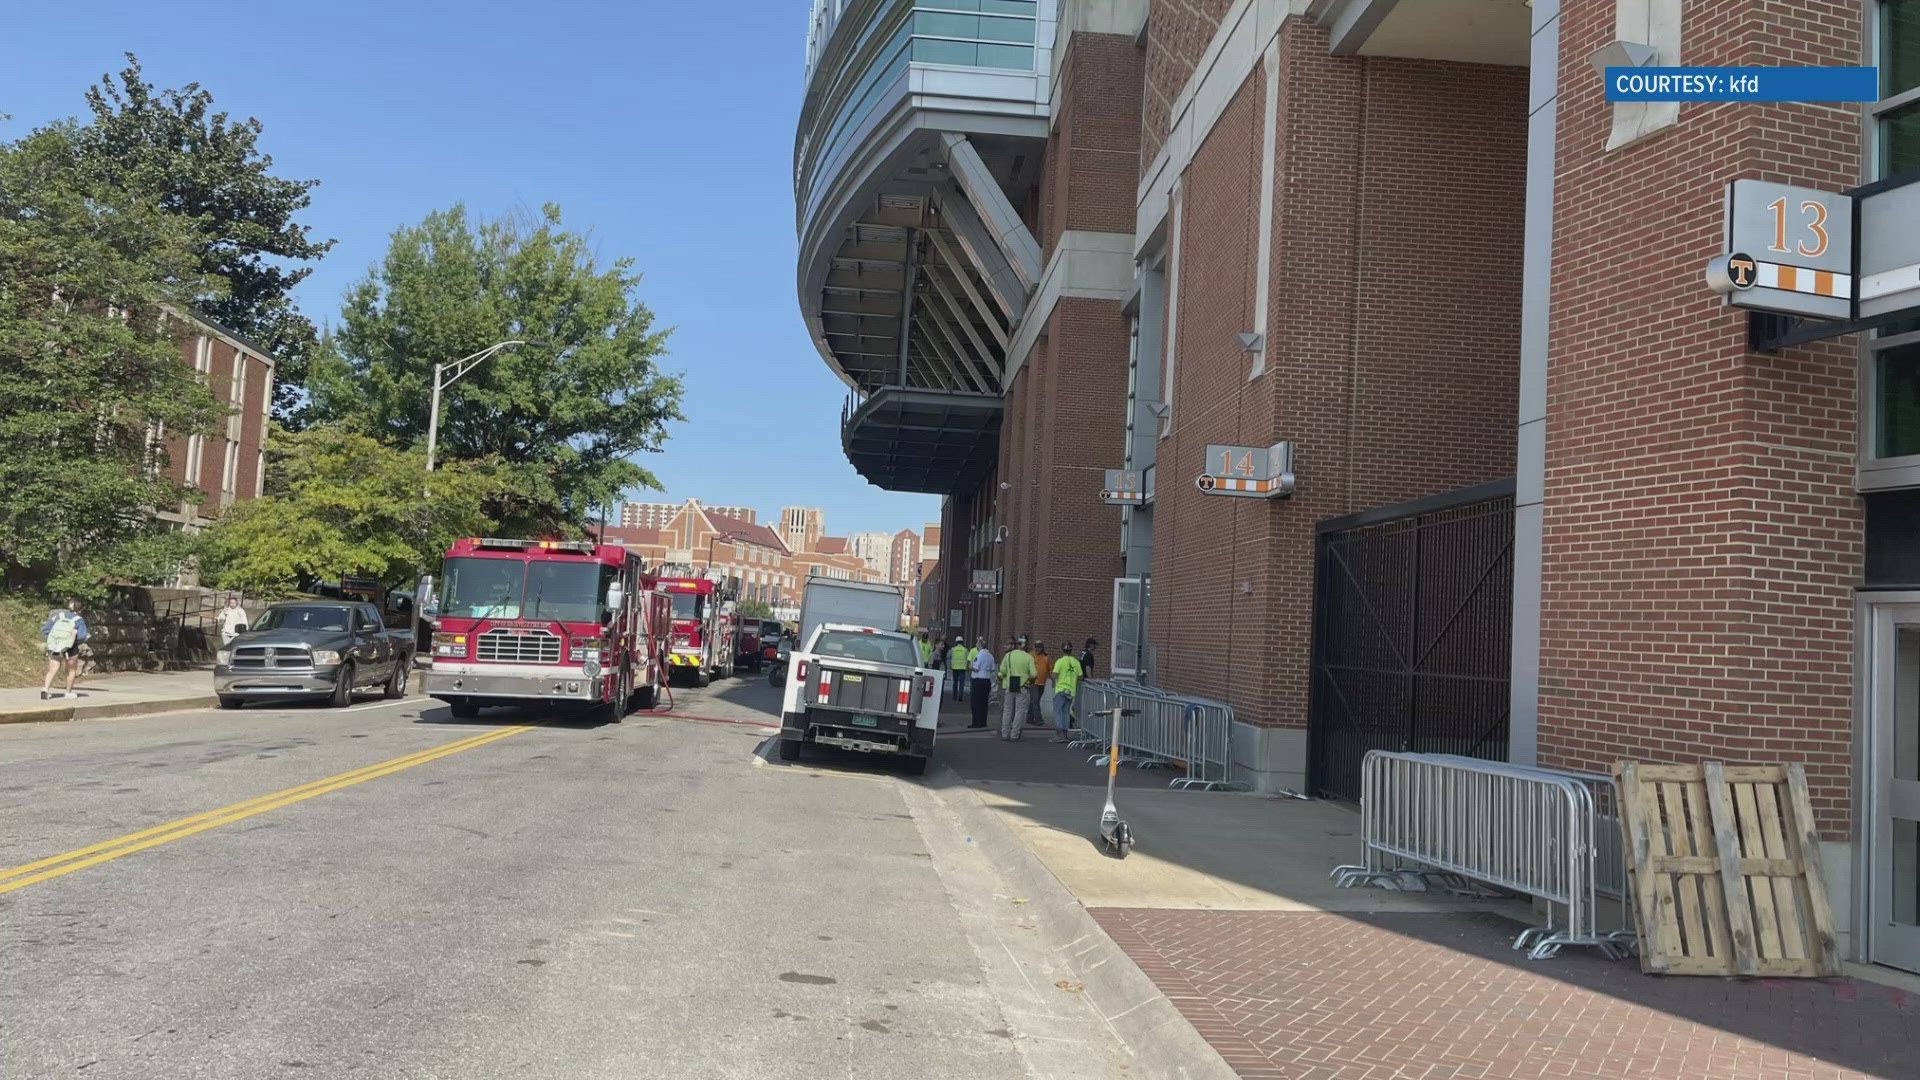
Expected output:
(1114, 833)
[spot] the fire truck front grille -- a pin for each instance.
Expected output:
(504, 645)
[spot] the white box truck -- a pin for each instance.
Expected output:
(855, 603)
(857, 682)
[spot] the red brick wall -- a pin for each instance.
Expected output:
(213, 456)
(1178, 32)
(1068, 400)
(1392, 330)
(1702, 533)
(1093, 157)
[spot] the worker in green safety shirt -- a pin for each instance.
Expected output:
(1016, 674)
(957, 659)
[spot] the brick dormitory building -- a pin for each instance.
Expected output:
(1548, 503)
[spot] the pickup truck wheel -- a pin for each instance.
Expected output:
(342, 695)
(790, 749)
(230, 701)
(913, 766)
(397, 682)
(463, 709)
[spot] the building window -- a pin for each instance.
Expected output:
(1897, 116)
(1896, 421)
(1892, 380)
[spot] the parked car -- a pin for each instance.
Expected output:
(314, 649)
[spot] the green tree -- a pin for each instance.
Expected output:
(350, 505)
(754, 609)
(91, 374)
(563, 415)
(172, 147)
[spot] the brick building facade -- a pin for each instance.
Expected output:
(229, 465)
(1416, 243)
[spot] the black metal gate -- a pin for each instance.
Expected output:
(1413, 619)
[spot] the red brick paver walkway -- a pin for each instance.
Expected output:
(1321, 996)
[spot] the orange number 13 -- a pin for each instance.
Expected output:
(1818, 226)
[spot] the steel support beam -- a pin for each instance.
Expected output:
(995, 209)
(956, 265)
(985, 255)
(906, 300)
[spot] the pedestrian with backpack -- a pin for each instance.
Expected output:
(64, 630)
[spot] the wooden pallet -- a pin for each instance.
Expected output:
(1698, 836)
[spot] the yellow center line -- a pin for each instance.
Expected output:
(20, 877)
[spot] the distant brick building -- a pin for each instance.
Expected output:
(229, 465)
(1549, 504)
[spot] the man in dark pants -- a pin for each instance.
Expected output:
(984, 672)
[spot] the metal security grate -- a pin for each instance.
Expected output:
(271, 657)
(1413, 619)
(509, 645)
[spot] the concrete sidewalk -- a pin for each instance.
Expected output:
(120, 693)
(1225, 904)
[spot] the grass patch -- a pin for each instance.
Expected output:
(23, 659)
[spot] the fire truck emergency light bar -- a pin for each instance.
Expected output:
(582, 546)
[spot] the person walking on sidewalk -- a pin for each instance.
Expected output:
(1016, 675)
(1086, 659)
(63, 632)
(1042, 668)
(983, 669)
(957, 660)
(1067, 673)
(233, 620)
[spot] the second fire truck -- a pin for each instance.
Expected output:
(700, 649)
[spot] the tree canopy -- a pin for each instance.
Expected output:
(171, 147)
(91, 376)
(346, 505)
(562, 415)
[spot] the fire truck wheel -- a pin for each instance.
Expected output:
(463, 709)
(702, 677)
(913, 765)
(643, 698)
(790, 749)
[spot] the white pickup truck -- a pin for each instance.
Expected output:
(861, 688)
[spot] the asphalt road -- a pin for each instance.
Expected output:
(384, 892)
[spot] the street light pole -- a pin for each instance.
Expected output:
(445, 375)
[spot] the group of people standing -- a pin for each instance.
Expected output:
(1024, 679)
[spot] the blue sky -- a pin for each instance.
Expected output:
(666, 127)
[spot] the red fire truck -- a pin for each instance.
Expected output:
(701, 648)
(528, 622)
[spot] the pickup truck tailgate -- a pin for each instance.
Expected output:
(862, 691)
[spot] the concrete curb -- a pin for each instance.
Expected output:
(54, 713)
(1164, 1044)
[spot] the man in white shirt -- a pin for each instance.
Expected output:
(233, 620)
(984, 671)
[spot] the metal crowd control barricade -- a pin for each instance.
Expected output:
(1171, 730)
(1447, 820)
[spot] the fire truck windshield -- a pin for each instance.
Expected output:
(477, 588)
(688, 605)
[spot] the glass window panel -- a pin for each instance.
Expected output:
(995, 29)
(1897, 402)
(1906, 703)
(1906, 873)
(951, 5)
(1014, 57)
(942, 24)
(931, 51)
(1008, 7)
(1900, 140)
(1899, 46)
